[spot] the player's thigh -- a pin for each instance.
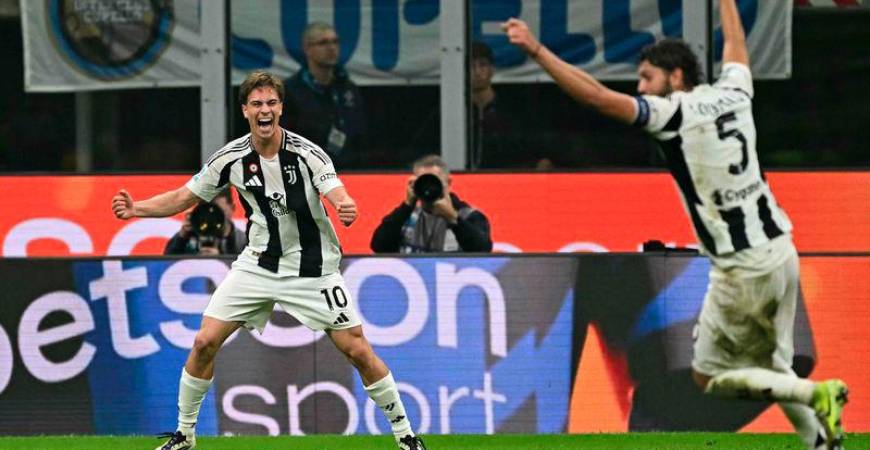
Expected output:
(322, 303)
(710, 356)
(244, 297)
(733, 328)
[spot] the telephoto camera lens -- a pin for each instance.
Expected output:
(428, 188)
(207, 221)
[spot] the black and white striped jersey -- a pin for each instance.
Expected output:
(289, 232)
(708, 137)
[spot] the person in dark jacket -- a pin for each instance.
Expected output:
(321, 101)
(229, 240)
(445, 224)
(505, 133)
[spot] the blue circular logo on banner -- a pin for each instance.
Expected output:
(111, 39)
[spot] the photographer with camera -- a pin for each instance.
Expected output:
(208, 229)
(431, 218)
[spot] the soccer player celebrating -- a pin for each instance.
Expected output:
(745, 331)
(292, 254)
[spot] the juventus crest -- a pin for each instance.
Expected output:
(290, 170)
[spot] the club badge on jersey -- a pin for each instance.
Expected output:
(290, 170)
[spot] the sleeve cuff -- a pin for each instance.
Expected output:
(642, 117)
(330, 185)
(195, 188)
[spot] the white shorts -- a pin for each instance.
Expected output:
(748, 322)
(249, 297)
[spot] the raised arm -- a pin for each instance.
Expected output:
(576, 82)
(734, 49)
(162, 205)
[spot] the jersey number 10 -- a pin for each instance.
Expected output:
(338, 296)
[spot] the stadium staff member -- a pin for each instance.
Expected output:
(745, 332)
(323, 103)
(292, 256)
(431, 218)
(214, 232)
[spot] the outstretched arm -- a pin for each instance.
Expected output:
(161, 205)
(734, 49)
(576, 82)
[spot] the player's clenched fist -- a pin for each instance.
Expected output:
(518, 33)
(122, 205)
(347, 211)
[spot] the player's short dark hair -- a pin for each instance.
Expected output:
(260, 79)
(670, 54)
(479, 50)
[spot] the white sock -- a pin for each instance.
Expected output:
(385, 394)
(762, 384)
(191, 392)
(805, 423)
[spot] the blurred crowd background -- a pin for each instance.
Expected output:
(813, 119)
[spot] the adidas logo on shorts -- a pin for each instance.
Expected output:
(341, 319)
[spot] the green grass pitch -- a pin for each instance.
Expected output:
(633, 441)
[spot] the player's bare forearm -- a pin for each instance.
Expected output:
(586, 89)
(166, 204)
(574, 81)
(336, 196)
(344, 205)
(734, 49)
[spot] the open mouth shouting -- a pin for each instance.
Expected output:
(265, 125)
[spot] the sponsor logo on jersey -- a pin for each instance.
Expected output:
(328, 176)
(276, 204)
(86, 34)
(721, 197)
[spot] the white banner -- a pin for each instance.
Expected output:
(73, 45)
(76, 45)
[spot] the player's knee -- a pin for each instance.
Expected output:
(359, 354)
(204, 347)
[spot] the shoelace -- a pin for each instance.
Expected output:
(174, 437)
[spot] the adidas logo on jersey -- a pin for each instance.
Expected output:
(254, 182)
(341, 319)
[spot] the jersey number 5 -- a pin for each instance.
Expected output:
(733, 169)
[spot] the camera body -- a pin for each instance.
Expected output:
(428, 188)
(207, 223)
